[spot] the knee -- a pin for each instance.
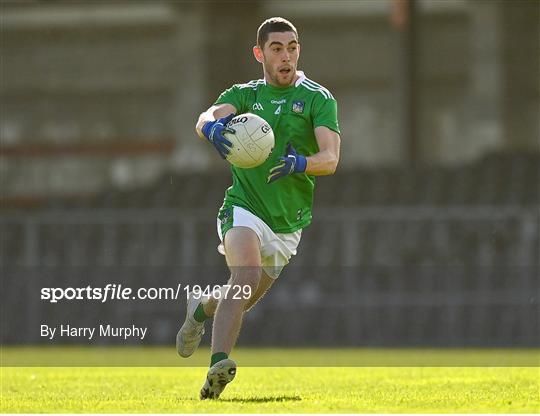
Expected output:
(246, 277)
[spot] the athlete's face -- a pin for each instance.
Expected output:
(279, 58)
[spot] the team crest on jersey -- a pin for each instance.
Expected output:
(298, 107)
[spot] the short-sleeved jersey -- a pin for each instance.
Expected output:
(293, 112)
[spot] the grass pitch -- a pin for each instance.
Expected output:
(272, 389)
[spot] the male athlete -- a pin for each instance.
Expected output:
(266, 208)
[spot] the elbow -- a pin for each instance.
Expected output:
(332, 166)
(199, 126)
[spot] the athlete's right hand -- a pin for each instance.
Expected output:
(213, 131)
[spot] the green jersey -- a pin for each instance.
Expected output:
(293, 112)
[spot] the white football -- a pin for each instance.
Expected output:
(252, 141)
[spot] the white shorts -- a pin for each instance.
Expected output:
(276, 248)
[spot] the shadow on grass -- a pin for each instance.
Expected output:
(268, 399)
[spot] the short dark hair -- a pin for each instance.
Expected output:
(274, 24)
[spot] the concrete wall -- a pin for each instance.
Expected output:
(102, 74)
(141, 72)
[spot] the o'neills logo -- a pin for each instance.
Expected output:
(237, 120)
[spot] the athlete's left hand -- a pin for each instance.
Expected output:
(292, 162)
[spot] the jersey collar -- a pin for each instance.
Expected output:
(301, 78)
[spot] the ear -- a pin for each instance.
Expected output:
(258, 54)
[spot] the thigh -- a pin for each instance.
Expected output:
(242, 248)
(243, 255)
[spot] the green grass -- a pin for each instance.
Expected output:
(87, 356)
(272, 389)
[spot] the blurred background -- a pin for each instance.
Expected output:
(428, 234)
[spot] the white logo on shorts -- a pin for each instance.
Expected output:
(257, 106)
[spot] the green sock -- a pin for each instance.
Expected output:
(199, 314)
(218, 356)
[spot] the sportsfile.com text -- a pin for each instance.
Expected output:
(113, 291)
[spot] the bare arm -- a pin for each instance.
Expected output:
(213, 113)
(325, 161)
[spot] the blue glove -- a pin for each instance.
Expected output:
(292, 162)
(213, 131)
